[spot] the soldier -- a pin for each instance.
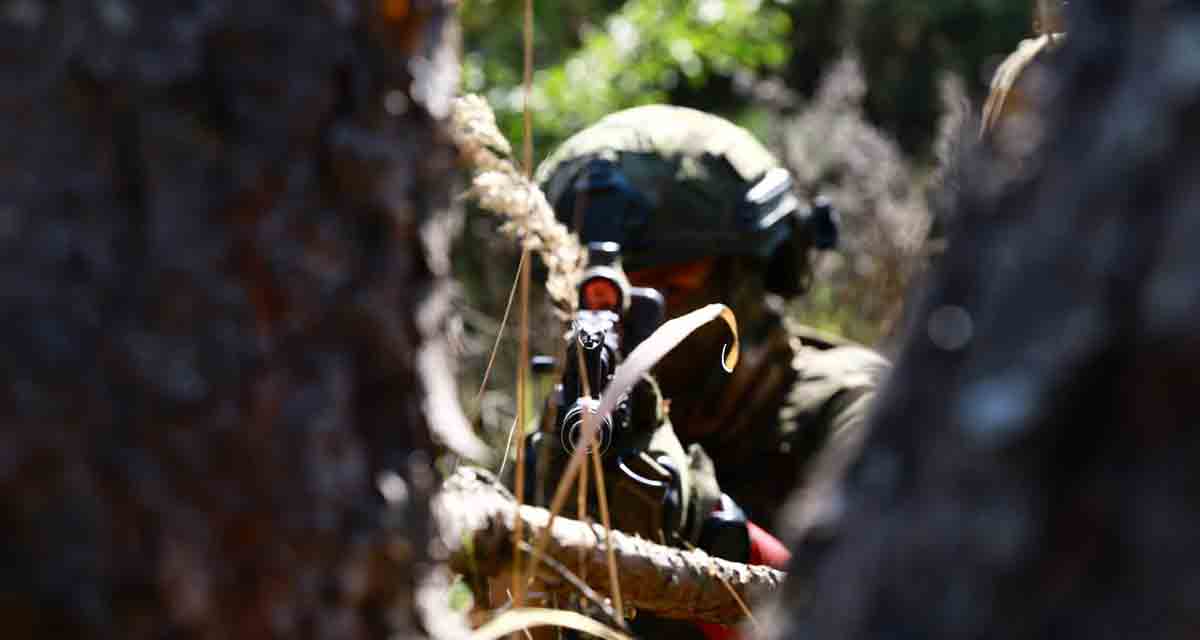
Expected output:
(704, 213)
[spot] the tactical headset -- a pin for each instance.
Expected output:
(769, 224)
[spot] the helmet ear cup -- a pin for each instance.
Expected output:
(788, 270)
(824, 222)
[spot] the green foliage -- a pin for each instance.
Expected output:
(461, 599)
(593, 57)
(634, 55)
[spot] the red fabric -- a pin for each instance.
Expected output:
(714, 631)
(766, 548)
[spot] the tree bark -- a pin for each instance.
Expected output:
(1031, 471)
(476, 519)
(223, 229)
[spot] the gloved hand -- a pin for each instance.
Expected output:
(727, 534)
(724, 533)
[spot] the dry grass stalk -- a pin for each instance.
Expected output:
(578, 582)
(582, 513)
(501, 188)
(522, 384)
(732, 592)
(613, 580)
(610, 554)
(523, 353)
(575, 468)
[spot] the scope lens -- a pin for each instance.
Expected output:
(572, 430)
(601, 294)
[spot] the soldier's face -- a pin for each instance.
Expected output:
(682, 285)
(687, 287)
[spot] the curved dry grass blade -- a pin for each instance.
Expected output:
(659, 344)
(518, 619)
(1006, 78)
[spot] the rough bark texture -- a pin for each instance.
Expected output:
(1035, 476)
(222, 245)
(476, 518)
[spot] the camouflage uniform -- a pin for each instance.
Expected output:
(797, 394)
(689, 175)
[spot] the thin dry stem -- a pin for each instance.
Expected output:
(528, 81)
(582, 513)
(580, 584)
(512, 293)
(575, 467)
(733, 592)
(613, 582)
(523, 358)
(560, 498)
(741, 603)
(522, 383)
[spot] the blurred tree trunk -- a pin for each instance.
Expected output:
(1032, 472)
(223, 229)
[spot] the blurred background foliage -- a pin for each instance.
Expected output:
(598, 56)
(863, 100)
(593, 57)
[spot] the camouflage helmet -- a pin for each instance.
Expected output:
(672, 184)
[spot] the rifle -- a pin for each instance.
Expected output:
(645, 466)
(613, 318)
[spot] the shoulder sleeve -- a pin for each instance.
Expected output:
(834, 394)
(829, 379)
